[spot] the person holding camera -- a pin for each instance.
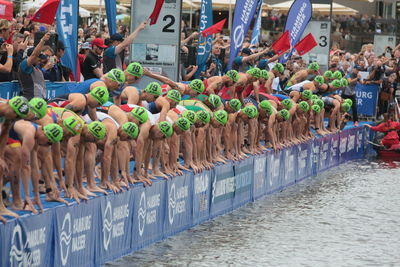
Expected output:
(30, 76)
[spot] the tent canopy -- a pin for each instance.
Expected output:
(320, 8)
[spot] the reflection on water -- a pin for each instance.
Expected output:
(349, 216)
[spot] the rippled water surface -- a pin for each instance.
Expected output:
(349, 216)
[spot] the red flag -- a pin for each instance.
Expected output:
(281, 45)
(6, 10)
(216, 28)
(305, 45)
(156, 12)
(47, 12)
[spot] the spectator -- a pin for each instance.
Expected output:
(114, 55)
(246, 59)
(65, 71)
(91, 66)
(30, 76)
(386, 94)
(20, 43)
(215, 61)
(350, 90)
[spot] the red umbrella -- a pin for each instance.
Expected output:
(6, 10)
(47, 12)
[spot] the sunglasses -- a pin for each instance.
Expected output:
(43, 56)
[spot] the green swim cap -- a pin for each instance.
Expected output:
(174, 95)
(316, 109)
(235, 104)
(38, 106)
(314, 97)
(251, 111)
(153, 88)
(20, 106)
(266, 105)
(255, 72)
(135, 69)
(278, 67)
(221, 116)
(73, 125)
(233, 75)
(320, 103)
(285, 114)
(97, 129)
(53, 132)
(328, 74)
(190, 115)
(214, 100)
(349, 101)
(140, 113)
(197, 85)
(183, 124)
(337, 83)
(203, 116)
(116, 75)
(337, 75)
(265, 74)
(166, 128)
(313, 66)
(303, 105)
(346, 107)
(345, 82)
(101, 94)
(307, 94)
(320, 80)
(131, 129)
(287, 103)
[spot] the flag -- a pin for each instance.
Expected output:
(156, 12)
(244, 13)
(205, 43)
(216, 28)
(67, 29)
(298, 17)
(281, 45)
(255, 36)
(47, 12)
(111, 11)
(6, 10)
(305, 45)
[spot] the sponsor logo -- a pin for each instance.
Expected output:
(114, 222)
(259, 172)
(303, 160)
(324, 153)
(222, 188)
(351, 143)
(238, 36)
(334, 147)
(343, 145)
(107, 225)
(24, 246)
(177, 201)
(73, 235)
(147, 213)
(201, 182)
(360, 139)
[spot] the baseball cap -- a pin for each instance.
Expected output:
(246, 51)
(116, 37)
(357, 67)
(99, 42)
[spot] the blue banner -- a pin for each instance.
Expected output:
(179, 204)
(76, 236)
(324, 153)
(260, 171)
(298, 17)
(243, 182)
(116, 222)
(290, 162)
(148, 214)
(202, 196)
(367, 99)
(274, 165)
(244, 13)
(304, 154)
(205, 43)
(111, 11)
(67, 29)
(223, 190)
(255, 36)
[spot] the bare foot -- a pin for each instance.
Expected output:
(36, 201)
(7, 212)
(28, 205)
(95, 188)
(110, 186)
(74, 194)
(51, 197)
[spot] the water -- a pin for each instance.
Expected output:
(349, 216)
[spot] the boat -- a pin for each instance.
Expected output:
(389, 154)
